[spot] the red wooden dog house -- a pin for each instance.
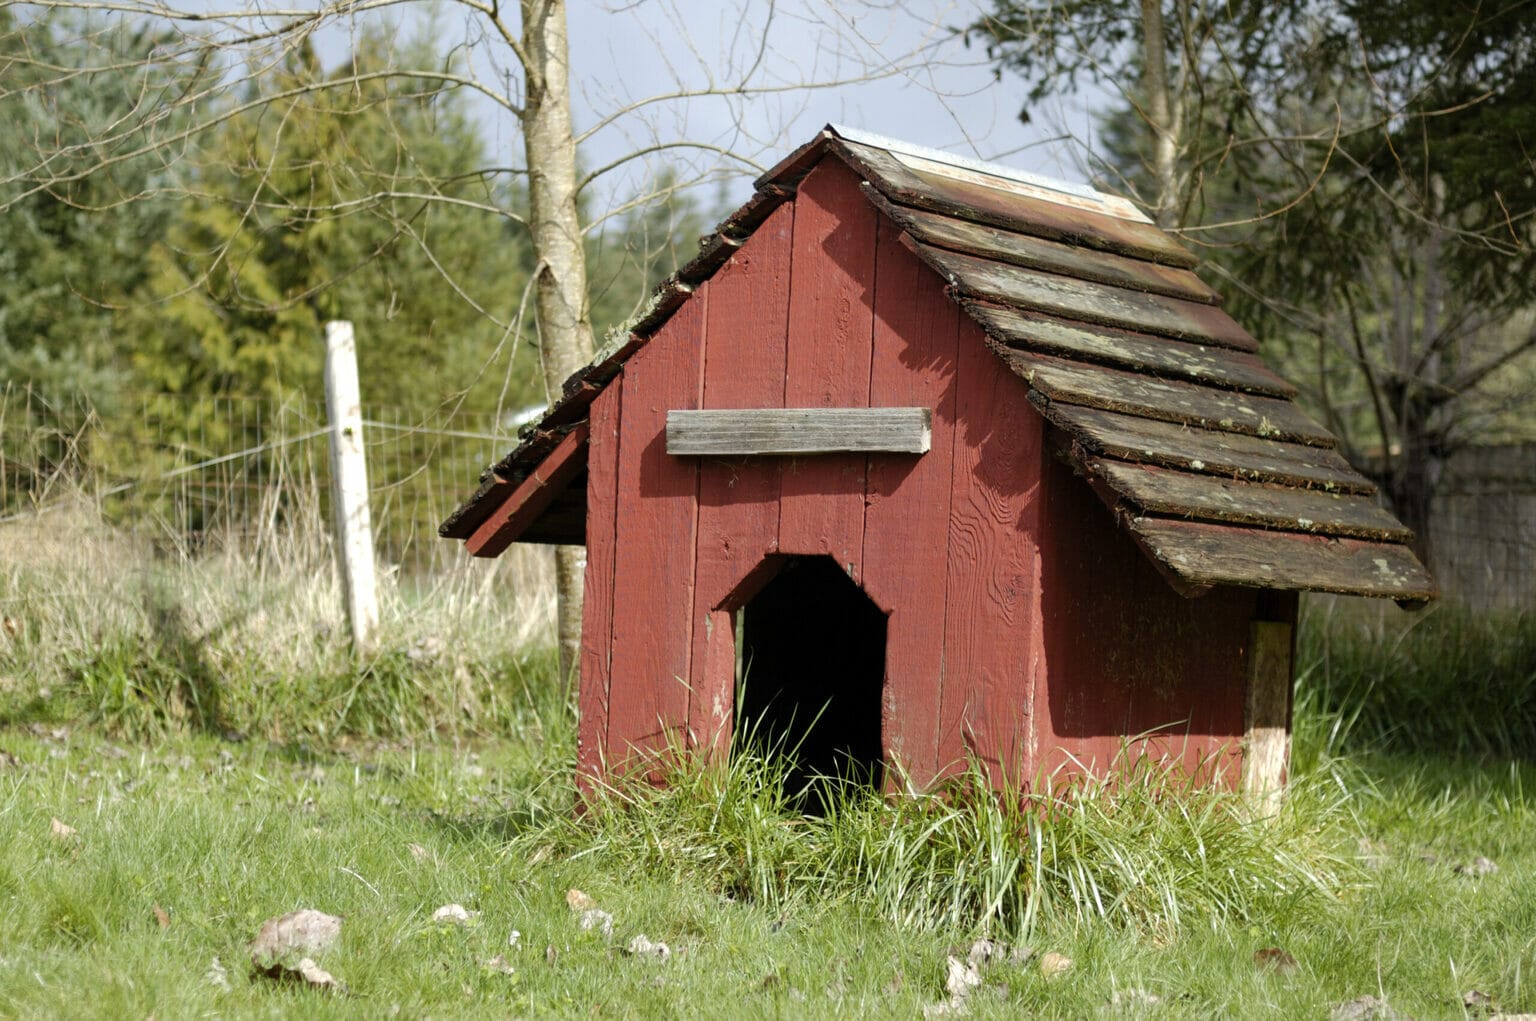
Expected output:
(1038, 495)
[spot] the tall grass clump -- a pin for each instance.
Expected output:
(1145, 850)
(1445, 681)
(142, 637)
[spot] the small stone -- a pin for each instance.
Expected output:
(578, 901)
(216, 976)
(960, 977)
(1054, 964)
(641, 946)
(61, 831)
(1275, 961)
(1478, 867)
(500, 964)
(298, 932)
(1366, 1008)
(594, 918)
(454, 914)
(1476, 1000)
(514, 938)
(1134, 998)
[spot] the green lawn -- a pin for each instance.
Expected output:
(221, 836)
(222, 759)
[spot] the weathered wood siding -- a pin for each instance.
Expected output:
(1026, 630)
(1124, 655)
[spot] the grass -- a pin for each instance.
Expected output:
(224, 759)
(221, 836)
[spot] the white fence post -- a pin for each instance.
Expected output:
(349, 484)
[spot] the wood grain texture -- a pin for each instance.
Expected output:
(1208, 451)
(740, 432)
(1139, 352)
(1168, 493)
(1267, 715)
(991, 615)
(906, 520)
(1002, 245)
(738, 499)
(653, 576)
(1041, 218)
(503, 526)
(827, 360)
(1209, 554)
(1129, 664)
(1086, 301)
(597, 607)
(1167, 400)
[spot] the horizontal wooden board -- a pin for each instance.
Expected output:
(1157, 356)
(1003, 245)
(1206, 555)
(956, 196)
(1230, 455)
(1167, 400)
(747, 431)
(1085, 300)
(1162, 491)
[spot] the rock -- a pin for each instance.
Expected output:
(960, 977)
(640, 946)
(593, 918)
(298, 933)
(1367, 1008)
(1477, 868)
(1275, 961)
(1054, 965)
(454, 914)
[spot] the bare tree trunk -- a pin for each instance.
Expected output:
(565, 333)
(1159, 113)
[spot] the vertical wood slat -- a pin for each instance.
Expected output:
(992, 611)
(597, 607)
(738, 498)
(906, 522)
(654, 544)
(831, 317)
(1267, 715)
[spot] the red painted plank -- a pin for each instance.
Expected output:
(597, 609)
(906, 523)
(828, 359)
(992, 611)
(1125, 655)
(738, 498)
(653, 575)
(531, 497)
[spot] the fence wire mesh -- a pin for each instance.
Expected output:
(227, 473)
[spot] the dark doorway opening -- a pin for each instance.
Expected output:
(811, 671)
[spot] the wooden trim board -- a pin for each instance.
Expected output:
(739, 432)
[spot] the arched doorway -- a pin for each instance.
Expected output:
(812, 668)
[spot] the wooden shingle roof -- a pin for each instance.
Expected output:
(1155, 393)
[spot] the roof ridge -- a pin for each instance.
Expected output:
(1113, 205)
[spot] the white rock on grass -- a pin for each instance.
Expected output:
(454, 914)
(641, 946)
(298, 933)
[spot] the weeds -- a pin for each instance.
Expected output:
(1146, 852)
(1449, 680)
(146, 642)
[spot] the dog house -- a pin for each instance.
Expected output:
(925, 461)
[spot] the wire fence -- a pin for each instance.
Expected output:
(194, 475)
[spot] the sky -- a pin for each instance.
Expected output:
(777, 72)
